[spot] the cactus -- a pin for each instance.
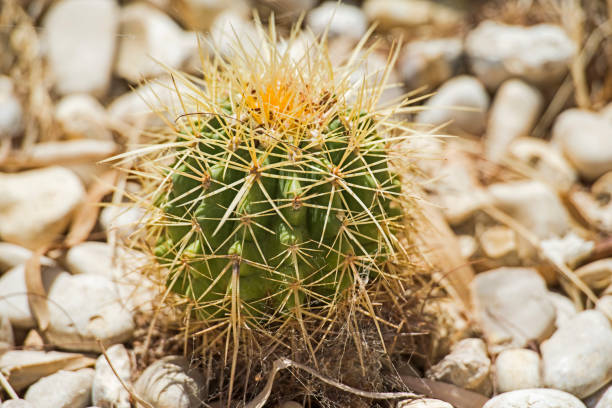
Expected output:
(279, 192)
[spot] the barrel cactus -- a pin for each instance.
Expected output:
(277, 193)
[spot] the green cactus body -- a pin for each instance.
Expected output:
(296, 221)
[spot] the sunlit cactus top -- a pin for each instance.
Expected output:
(275, 191)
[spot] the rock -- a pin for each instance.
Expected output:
(430, 62)
(597, 275)
(80, 37)
(410, 14)
(36, 205)
(450, 322)
(82, 116)
(231, 27)
(457, 188)
(141, 107)
(371, 69)
(534, 205)
(569, 250)
(24, 367)
(468, 245)
(198, 15)
(125, 221)
(605, 401)
(70, 152)
(169, 383)
(17, 403)
(337, 19)
(91, 258)
(513, 114)
(518, 369)
(84, 309)
(11, 113)
(499, 242)
(7, 338)
(13, 295)
(564, 307)
(604, 305)
(467, 366)
(149, 38)
(578, 357)
(546, 162)
(424, 403)
(12, 255)
(512, 307)
(596, 207)
(450, 104)
(64, 389)
(539, 54)
(584, 138)
(107, 391)
(534, 398)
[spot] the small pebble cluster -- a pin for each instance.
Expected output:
(524, 195)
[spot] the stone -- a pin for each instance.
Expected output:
(17, 403)
(468, 245)
(544, 161)
(149, 40)
(569, 249)
(498, 242)
(25, 367)
(71, 152)
(424, 403)
(12, 255)
(595, 206)
(80, 37)
(107, 391)
(597, 275)
(534, 205)
(169, 383)
(37, 205)
(85, 309)
(124, 221)
(456, 188)
(231, 28)
(141, 107)
(514, 112)
(518, 369)
(430, 62)
(578, 357)
(64, 389)
(337, 19)
(534, 398)
(467, 366)
(11, 112)
(539, 54)
(462, 101)
(451, 325)
(13, 294)
(82, 117)
(604, 305)
(199, 15)
(564, 307)
(584, 138)
(512, 307)
(605, 401)
(91, 258)
(411, 14)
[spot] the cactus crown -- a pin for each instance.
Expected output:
(275, 195)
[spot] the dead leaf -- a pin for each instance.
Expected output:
(441, 250)
(86, 215)
(37, 296)
(23, 368)
(456, 396)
